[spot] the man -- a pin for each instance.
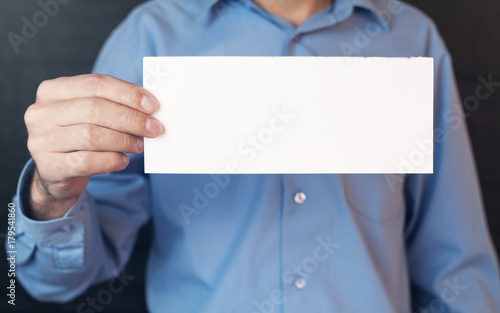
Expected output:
(262, 243)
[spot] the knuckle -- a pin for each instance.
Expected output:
(136, 94)
(42, 89)
(94, 82)
(85, 160)
(30, 116)
(35, 118)
(89, 107)
(31, 144)
(132, 118)
(87, 132)
(90, 103)
(87, 135)
(47, 86)
(79, 162)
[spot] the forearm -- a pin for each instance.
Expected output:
(59, 258)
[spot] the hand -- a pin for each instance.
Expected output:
(82, 126)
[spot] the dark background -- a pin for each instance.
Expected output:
(69, 43)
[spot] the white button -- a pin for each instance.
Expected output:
(299, 282)
(300, 197)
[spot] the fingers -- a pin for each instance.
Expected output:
(80, 164)
(82, 126)
(87, 137)
(96, 111)
(100, 86)
(87, 163)
(107, 114)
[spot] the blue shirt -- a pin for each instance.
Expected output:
(278, 243)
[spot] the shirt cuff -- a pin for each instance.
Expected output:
(67, 229)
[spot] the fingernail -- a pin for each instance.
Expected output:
(125, 160)
(149, 104)
(140, 144)
(153, 127)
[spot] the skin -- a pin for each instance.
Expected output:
(293, 11)
(81, 126)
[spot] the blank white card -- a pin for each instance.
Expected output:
(291, 115)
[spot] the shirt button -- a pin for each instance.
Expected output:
(84, 205)
(299, 197)
(296, 38)
(67, 228)
(299, 282)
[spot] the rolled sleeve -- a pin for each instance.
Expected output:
(60, 258)
(62, 239)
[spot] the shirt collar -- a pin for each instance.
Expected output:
(376, 8)
(202, 6)
(197, 6)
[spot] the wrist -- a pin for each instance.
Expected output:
(42, 204)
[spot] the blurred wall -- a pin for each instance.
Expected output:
(70, 41)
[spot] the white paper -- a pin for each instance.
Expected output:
(291, 115)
